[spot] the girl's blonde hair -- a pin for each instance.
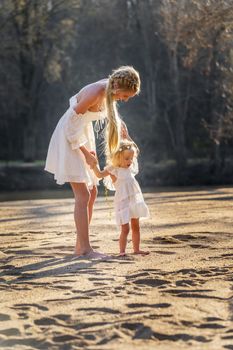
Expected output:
(125, 78)
(116, 157)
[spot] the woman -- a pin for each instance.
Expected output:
(72, 148)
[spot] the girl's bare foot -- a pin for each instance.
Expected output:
(141, 252)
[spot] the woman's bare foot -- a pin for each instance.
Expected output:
(78, 252)
(96, 255)
(93, 255)
(122, 254)
(141, 252)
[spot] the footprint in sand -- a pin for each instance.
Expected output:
(29, 306)
(45, 321)
(152, 282)
(163, 252)
(211, 326)
(166, 240)
(183, 283)
(62, 317)
(138, 305)
(4, 317)
(93, 310)
(9, 332)
(64, 338)
(144, 332)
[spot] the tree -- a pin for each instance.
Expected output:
(41, 33)
(202, 31)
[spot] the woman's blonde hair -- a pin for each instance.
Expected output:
(116, 157)
(125, 78)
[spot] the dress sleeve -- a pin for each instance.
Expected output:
(75, 129)
(73, 101)
(111, 169)
(107, 180)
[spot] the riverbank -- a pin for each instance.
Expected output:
(18, 176)
(178, 297)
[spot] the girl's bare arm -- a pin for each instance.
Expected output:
(100, 173)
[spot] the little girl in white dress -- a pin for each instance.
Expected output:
(129, 204)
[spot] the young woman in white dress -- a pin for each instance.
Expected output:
(129, 203)
(72, 149)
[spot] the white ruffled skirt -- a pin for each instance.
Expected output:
(129, 203)
(68, 163)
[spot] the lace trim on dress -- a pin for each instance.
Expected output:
(99, 128)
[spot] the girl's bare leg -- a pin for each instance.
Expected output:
(123, 238)
(136, 237)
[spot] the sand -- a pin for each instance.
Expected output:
(178, 297)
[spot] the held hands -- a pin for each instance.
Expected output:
(91, 159)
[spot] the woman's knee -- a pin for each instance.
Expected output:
(81, 193)
(83, 198)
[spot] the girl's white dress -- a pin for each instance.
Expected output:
(128, 200)
(64, 159)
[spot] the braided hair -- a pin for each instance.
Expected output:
(125, 78)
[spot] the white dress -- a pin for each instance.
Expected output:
(128, 200)
(64, 159)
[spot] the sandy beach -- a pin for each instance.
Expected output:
(178, 297)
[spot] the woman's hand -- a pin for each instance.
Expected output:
(90, 156)
(91, 159)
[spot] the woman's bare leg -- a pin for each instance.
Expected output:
(93, 195)
(136, 237)
(84, 201)
(123, 238)
(81, 217)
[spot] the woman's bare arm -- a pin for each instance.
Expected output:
(124, 131)
(85, 103)
(88, 98)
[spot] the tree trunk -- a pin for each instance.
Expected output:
(180, 151)
(29, 145)
(142, 13)
(179, 130)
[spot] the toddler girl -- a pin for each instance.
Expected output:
(128, 201)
